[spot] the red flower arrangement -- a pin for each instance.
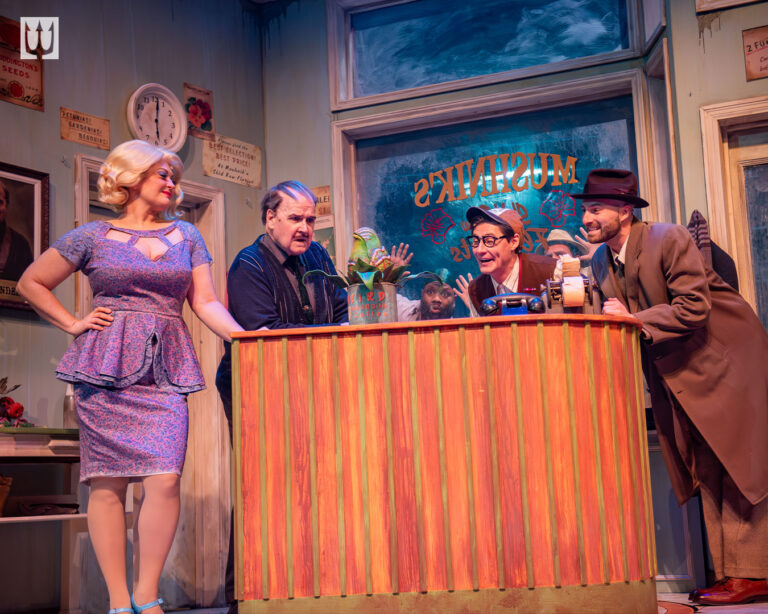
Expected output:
(10, 410)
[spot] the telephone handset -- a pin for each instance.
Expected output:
(513, 303)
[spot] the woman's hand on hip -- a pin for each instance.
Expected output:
(98, 319)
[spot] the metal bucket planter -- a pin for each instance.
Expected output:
(372, 306)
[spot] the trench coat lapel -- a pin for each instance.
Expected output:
(632, 265)
(605, 273)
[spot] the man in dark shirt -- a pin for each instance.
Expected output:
(265, 289)
(264, 285)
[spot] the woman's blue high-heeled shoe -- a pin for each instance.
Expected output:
(121, 610)
(137, 609)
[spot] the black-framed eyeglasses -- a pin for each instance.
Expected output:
(488, 240)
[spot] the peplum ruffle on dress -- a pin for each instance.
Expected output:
(131, 379)
(136, 343)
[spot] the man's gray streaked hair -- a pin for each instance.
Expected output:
(274, 196)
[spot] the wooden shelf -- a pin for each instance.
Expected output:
(52, 517)
(40, 430)
(39, 444)
(42, 518)
(35, 445)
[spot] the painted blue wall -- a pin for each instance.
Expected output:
(107, 50)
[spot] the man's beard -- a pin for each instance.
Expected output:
(444, 312)
(607, 231)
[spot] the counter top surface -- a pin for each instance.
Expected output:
(451, 323)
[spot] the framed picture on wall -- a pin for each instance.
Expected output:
(24, 197)
(716, 5)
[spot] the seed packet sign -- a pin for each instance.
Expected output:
(372, 306)
(21, 81)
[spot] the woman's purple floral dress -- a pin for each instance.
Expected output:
(131, 379)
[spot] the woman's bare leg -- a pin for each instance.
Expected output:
(158, 517)
(106, 526)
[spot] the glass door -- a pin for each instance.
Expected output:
(748, 192)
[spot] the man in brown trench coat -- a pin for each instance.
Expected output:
(705, 357)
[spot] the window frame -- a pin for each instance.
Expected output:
(346, 132)
(727, 218)
(340, 57)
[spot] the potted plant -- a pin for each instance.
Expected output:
(371, 280)
(10, 410)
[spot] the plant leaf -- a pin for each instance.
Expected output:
(363, 266)
(359, 248)
(337, 279)
(369, 278)
(393, 274)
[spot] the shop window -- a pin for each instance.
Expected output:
(415, 187)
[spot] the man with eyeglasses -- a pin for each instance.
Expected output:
(496, 239)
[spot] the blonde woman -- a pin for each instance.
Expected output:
(132, 362)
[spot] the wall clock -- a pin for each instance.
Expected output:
(157, 116)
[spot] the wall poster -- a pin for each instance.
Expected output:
(232, 160)
(84, 128)
(756, 52)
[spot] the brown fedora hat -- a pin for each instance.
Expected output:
(612, 184)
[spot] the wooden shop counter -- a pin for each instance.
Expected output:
(467, 465)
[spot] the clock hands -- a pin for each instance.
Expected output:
(169, 130)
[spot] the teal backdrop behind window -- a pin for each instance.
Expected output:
(434, 41)
(401, 178)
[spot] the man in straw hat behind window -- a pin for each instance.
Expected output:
(560, 243)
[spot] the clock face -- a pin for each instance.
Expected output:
(155, 115)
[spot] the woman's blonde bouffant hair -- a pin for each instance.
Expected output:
(127, 165)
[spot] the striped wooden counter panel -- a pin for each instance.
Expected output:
(467, 455)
